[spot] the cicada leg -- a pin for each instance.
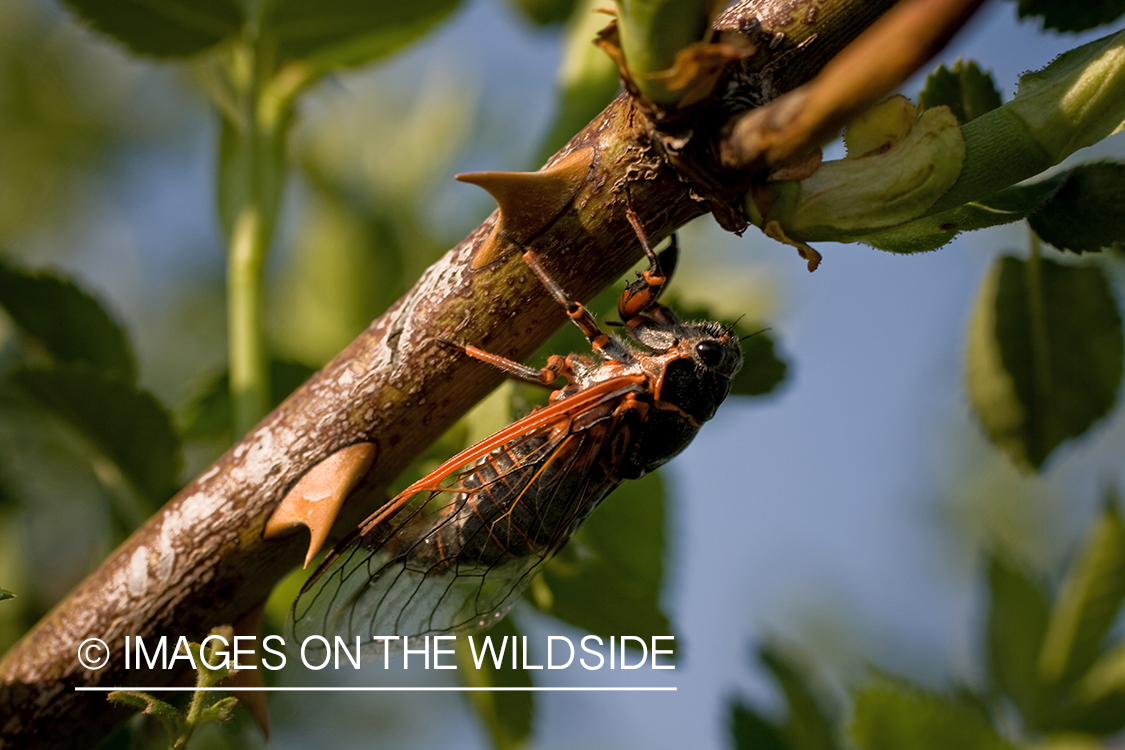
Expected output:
(578, 313)
(556, 366)
(639, 300)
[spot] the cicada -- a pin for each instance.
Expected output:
(453, 552)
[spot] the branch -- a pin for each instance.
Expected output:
(202, 561)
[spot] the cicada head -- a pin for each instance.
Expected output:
(698, 362)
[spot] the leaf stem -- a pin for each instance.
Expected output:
(249, 376)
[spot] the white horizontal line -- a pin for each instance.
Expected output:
(80, 689)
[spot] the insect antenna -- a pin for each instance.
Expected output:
(755, 333)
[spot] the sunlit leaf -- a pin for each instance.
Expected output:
(1087, 212)
(1017, 621)
(1044, 357)
(169, 28)
(964, 88)
(333, 33)
(752, 731)
(896, 716)
(608, 579)
(1072, 15)
(128, 426)
(507, 714)
(1088, 603)
(68, 323)
(809, 725)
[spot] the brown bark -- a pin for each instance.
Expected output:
(201, 561)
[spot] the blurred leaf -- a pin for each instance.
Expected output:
(762, 370)
(895, 716)
(543, 12)
(608, 579)
(333, 33)
(128, 426)
(67, 322)
(1087, 212)
(965, 89)
(208, 415)
(507, 714)
(170, 28)
(752, 731)
(5, 594)
(1099, 697)
(1038, 378)
(1072, 15)
(1087, 605)
(588, 79)
(1017, 621)
(809, 725)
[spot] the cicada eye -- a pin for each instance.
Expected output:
(710, 352)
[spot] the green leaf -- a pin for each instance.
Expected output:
(163, 28)
(334, 33)
(1002, 207)
(5, 594)
(1076, 101)
(128, 426)
(895, 716)
(607, 580)
(1087, 212)
(208, 414)
(507, 714)
(1017, 621)
(67, 322)
(965, 89)
(809, 725)
(1072, 15)
(752, 731)
(1045, 355)
(1088, 603)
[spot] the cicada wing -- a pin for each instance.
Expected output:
(402, 580)
(455, 551)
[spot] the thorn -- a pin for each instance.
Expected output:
(529, 201)
(316, 498)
